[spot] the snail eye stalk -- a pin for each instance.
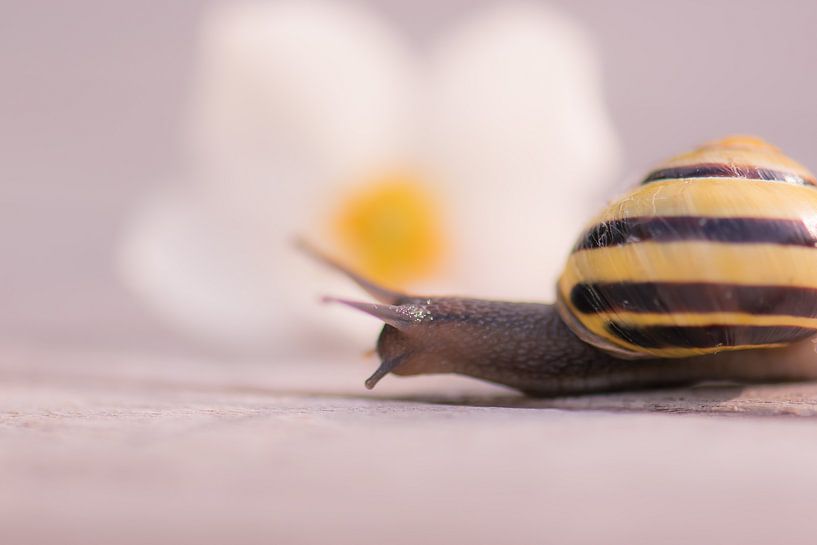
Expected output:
(396, 316)
(378, 292)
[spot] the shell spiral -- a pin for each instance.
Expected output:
(715, 250)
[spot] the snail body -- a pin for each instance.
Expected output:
(705, 271)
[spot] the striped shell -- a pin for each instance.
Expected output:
(715, 250)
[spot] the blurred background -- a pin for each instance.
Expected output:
(137, 196)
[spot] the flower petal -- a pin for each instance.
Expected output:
(321, 85)
(207, 278)
(292, 99)
(521, 137)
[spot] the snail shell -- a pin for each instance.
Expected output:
(715, 250)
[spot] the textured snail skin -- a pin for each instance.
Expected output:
(528, 347)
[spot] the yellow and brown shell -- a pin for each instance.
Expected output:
(715, 250)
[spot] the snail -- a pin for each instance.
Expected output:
(707, 270)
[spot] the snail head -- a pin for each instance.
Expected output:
(413, 340)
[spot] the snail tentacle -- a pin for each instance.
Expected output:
(378, 292)
(386, 367)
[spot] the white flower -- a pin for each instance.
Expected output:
(469, 167)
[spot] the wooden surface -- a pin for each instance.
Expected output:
(105, 448)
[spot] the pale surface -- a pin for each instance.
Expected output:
(98, 448)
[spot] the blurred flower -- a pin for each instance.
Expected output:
(469, 167)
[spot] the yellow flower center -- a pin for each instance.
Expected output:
(391, 230)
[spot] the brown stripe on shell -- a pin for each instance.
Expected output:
(721, 170)
(693, 297)
(710, 336)
(788, 232)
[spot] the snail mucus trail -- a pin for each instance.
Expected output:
(706, 271)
